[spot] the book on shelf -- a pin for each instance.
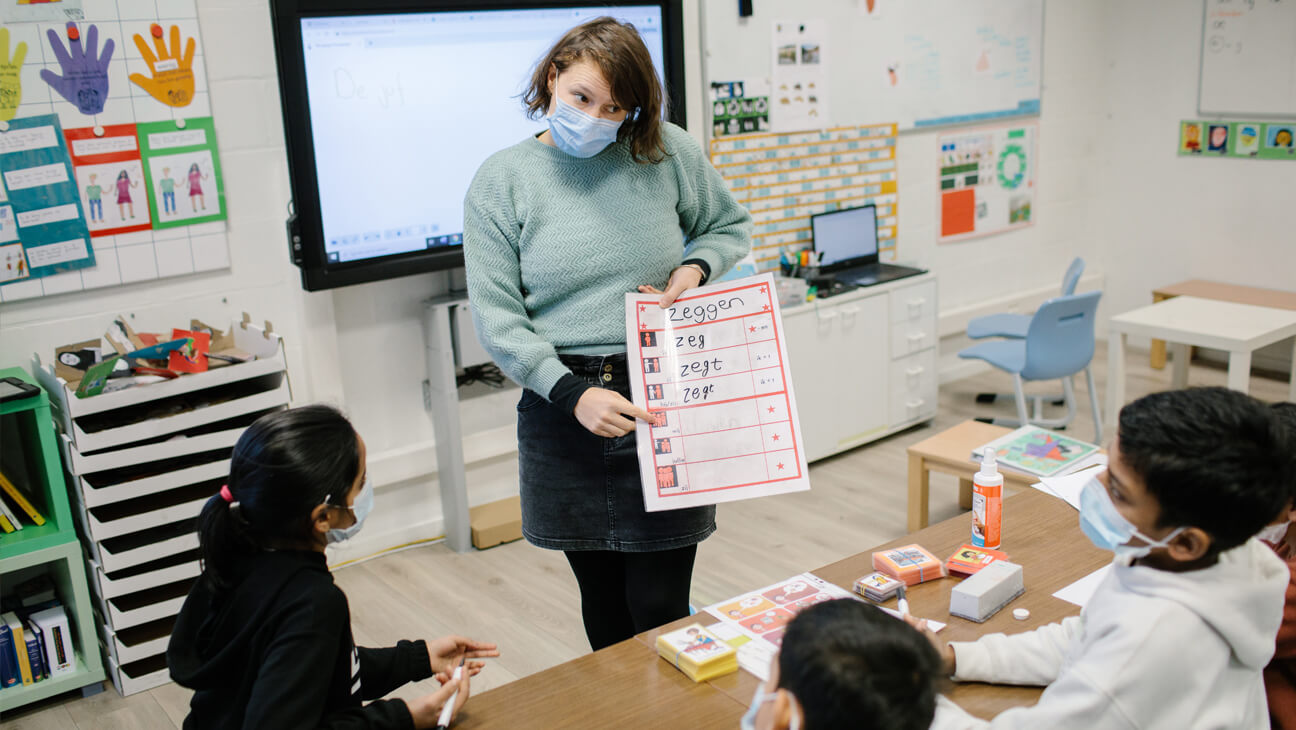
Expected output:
(59, 656)
(19, 499)
(15, 627)
(9, 674)
(1038, 452)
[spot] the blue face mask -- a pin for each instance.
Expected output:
(1108, 529)
(748, 721)
(363, 505)
(577, 133)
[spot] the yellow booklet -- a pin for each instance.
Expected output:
(698, 653)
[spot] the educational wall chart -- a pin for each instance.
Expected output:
(1250, 140)
(799, 76)
(739, 107)
(121, 78)
(713, 369)
(783, 179)
(42, 227)
(1248, 59)
(987, 181)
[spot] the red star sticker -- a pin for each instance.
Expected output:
(642, 307)
(765, 308)
(771, 409)
(764, 290)
(752, 328)
(643, 325)
(776, 437)
(780, 466)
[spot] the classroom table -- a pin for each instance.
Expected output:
(629, 686)
(1203, 289)
(950, 452)
(1238, 329)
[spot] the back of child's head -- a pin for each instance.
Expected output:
(1212, 458)
(284, 465)
(850, 665)
(1286, 412)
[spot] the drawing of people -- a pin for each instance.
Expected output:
(1218, 138)
(1192, 138)
(1283, 138)
(94, 200)
(698, 641)
(124, 184)
(167, 187)
(195, 188)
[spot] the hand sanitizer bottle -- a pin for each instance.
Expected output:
(987, 503)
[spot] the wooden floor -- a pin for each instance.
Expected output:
(525, 598)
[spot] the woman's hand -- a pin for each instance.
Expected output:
(946, 652)
(445, 653)
(603, 413)
(681, 280)
(426, 709)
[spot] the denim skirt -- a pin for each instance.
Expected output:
(584, 492)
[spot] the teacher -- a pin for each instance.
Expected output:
(557, 229)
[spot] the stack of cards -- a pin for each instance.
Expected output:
(968, 559)
(911, 564)
(877, 586)
(698, 653)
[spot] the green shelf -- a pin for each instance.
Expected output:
(15, 697)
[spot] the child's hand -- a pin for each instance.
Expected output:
(946, 652)
(426, 709)
(444, 655)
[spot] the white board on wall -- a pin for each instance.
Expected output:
(918, 63)
(1248, 58)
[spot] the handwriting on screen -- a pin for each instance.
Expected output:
(387, 93)
(703, 313)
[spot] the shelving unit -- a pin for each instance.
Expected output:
(143, 462)
(51, 548)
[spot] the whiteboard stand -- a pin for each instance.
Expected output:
(441, 400)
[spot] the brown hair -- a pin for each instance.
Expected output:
(620, 54)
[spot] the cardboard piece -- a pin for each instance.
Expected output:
(192, 357)
(72, 361)
(96, 378)
(496, 522)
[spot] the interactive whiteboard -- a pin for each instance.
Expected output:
(1248, 58)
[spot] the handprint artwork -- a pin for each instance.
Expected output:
(84, 82)
(171, 79)
(10, 83)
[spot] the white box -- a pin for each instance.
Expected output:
(117, 557)
(138, 677)
(169, 449)
(134, 609)
(102, 528)
(988, 590)
(113, 587)
(92, 496)
(138, 643)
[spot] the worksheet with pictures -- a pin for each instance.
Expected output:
(713, 369)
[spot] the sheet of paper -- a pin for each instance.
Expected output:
(761, 614)
(713, 368)
(1068, 488)
(799, 70)
(932, 624)
(756, 657)
(1080, 591)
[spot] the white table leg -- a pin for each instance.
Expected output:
(1115, 376)
(1291, 388)
(1239, 372)
(1179, 373)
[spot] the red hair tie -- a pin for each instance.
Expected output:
(225, 493)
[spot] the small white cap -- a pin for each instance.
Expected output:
(1021, 614)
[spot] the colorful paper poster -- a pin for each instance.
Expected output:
(110, 179)
(22, 11)
(713, 369)
(799, 76)
(1249, 140)
(987, 181)
(183, 173)
(1036, 451)
(41, 203)
(739, 107)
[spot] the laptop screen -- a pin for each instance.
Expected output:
(845, 237)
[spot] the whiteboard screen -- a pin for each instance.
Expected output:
(918, 63)
(1248, 60)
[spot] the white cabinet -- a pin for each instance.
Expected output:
(863, 363)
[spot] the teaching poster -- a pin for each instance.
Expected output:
(713, 369)
(987, 181)
(799, 76)
(42, 227)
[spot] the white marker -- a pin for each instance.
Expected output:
(903, 603)
(447, 710)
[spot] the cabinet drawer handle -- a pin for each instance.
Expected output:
(850, 310)
(916, 336)
(828, 316)
(917, 302)
(915, 372)
(915, 403)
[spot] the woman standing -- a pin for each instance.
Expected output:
(557, 229)
(196, 176)
(124, 184)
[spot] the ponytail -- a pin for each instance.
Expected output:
(284, 465)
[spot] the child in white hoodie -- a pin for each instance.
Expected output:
(1177, 634)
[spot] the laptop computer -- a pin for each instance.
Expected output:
(848, 240)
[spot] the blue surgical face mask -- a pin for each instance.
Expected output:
(363, 505)
(577, 133)
(748, 721)
(1108, 529)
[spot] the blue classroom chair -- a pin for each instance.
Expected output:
(1007, 324)
(1059, 343)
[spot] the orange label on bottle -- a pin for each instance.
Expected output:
(987, 515)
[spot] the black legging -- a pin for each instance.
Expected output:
(623, 594)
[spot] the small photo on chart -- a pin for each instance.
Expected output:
(1217, 141)
(1281, 137)
(652, 364)
(183, 185)
(13, 263)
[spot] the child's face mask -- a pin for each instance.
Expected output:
(363, 505)
(748, 721)
(1108, 529)
(1274, 534)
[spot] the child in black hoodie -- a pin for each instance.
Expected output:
(264, 637)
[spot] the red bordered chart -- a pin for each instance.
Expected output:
(713, 368)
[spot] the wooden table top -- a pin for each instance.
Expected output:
(1204, 289)
(1041, 533)
(952, 449)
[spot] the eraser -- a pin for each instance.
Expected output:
(993, 587)
(1021, 614)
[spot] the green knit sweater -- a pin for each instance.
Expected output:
(552, 244)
